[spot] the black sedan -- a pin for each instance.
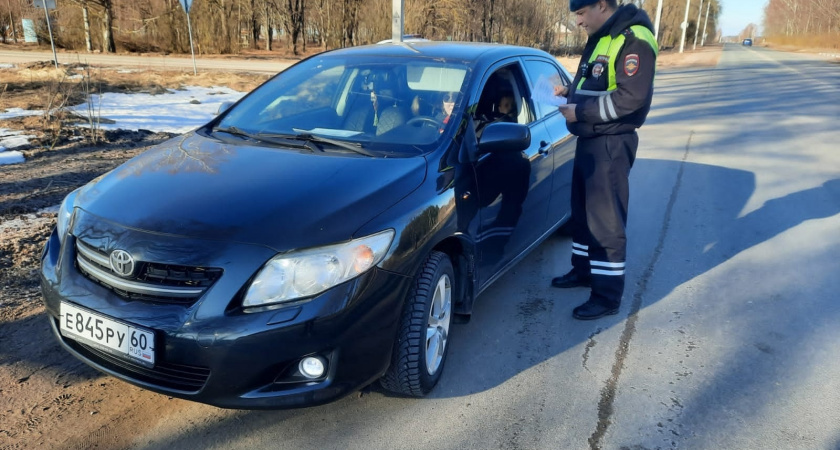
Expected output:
(320, 234)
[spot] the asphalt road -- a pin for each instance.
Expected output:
(728, 335)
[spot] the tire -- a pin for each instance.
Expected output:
(423, 341)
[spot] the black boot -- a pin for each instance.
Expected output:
(593, 309)
(571, 280)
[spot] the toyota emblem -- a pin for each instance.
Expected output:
(122, 263)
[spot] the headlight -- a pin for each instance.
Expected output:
(65, 212)
(306, 273)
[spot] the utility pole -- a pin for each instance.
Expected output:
(703, 40)
(397, 20)
(684, 25)
(697, 24)
(658, 17)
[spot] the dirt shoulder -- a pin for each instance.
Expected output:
(50, 400)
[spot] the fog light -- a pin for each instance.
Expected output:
(312, 367)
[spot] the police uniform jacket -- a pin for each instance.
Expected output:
(613, 86)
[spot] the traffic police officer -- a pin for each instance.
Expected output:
(607, 101)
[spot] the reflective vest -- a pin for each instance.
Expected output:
(611, 47)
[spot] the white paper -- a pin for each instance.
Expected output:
(544, 91)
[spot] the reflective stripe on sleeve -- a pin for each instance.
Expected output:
(602, 109)
(589, 93)
(610, 107)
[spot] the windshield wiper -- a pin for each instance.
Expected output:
(312, 138)
(234, 131)
(265, 138)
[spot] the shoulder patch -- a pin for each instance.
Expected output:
(631, 64)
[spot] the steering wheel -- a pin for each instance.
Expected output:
(424, 121)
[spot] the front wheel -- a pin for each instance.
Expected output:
(422, 344)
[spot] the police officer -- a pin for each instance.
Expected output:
(607, 101)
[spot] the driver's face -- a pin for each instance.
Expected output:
(448, 104)
(506, 105)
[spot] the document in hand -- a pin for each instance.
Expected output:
(544, 92)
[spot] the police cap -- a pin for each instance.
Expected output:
(575, 5)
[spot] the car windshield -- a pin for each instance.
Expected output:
(397, 106)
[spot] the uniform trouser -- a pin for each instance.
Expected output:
(600, 193)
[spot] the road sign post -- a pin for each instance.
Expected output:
(187, 4)
(47, 5)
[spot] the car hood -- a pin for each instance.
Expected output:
(198, 187)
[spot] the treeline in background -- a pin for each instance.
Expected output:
(306, 26)
(803, 23)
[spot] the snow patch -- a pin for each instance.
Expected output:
(19, 112)
(10, 157)
(174, 111)
(10, 139)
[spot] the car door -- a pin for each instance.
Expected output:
(542, 74)
(514, 188)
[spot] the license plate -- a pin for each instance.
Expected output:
(118, 338)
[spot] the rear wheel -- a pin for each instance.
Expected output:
(422, 345)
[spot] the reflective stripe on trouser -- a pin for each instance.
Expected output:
(600, 195)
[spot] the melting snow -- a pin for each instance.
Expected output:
(177, 111)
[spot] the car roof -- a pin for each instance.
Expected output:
(475, 52)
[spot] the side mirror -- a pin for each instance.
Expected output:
(224, 107)
(504, 137)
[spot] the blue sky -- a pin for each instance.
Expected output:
(737, 14)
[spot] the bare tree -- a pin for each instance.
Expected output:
(294, 22)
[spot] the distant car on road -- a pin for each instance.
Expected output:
(747, 42)
(320, 234)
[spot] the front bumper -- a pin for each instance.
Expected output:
(236, 358)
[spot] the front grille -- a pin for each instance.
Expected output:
(150, 281)
(188, 379)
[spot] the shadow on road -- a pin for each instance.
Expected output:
(509, 336)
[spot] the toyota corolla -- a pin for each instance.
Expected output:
(320, 234)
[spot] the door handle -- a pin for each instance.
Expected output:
(545, 147)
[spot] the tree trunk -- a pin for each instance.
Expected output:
(303, 23)
(254, 25)
(491, 19)
(108, 29)
(86, 18)
(12, 21)
(268, 32)
(175, 32)
(294, 22)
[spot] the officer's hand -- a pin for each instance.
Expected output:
(568, 111)
(560, 90)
